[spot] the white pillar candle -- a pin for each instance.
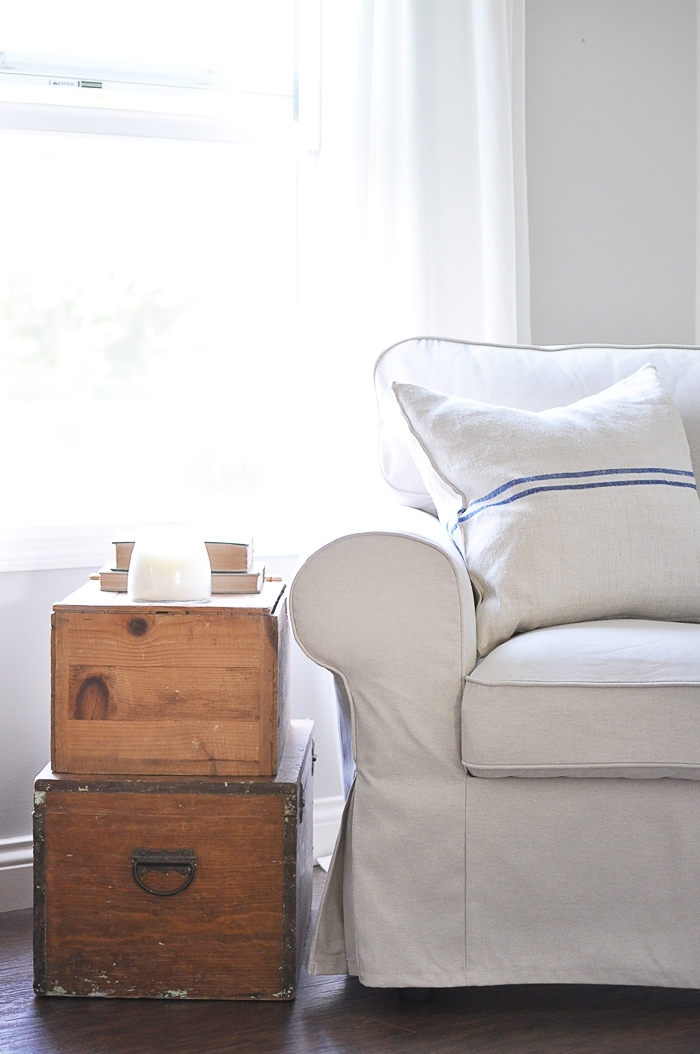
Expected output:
(169, 562)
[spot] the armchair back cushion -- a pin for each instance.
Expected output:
(524, 378)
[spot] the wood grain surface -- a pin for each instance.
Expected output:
(193, 746)
(221, 937)
(159, 638)
(175, 693)
(171, 689)
(233, 933)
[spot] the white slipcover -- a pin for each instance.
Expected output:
(443, 878)
(619, 697)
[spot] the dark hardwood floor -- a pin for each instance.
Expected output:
(336, 1014)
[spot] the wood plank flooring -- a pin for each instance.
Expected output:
(336, 1015)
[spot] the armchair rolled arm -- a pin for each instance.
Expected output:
(390, 612)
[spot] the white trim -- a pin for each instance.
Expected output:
(518, 125)
(16, 852)
(88, 545)
(40, 117)
(697, 187)
(16, 887)
(51, 548)
(328, 813)
(309, 74)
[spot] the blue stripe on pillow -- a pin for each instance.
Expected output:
(578, 475)
(464, 514)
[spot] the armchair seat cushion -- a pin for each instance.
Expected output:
(617, 698)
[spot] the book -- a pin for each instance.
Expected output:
(114, 579)
(223, 556)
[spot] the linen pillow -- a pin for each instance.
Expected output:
(577, 513)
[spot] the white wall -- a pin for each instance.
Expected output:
(26, 600)
(611, 156)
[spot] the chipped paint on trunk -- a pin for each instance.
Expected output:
(286, 993)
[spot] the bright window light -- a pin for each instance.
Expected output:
(150, 366)
(231, 59)
(147, 329)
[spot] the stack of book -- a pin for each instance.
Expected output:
(232, 568)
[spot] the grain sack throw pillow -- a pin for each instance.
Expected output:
(581, 512)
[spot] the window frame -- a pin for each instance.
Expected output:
(46, 547)
(303, 128)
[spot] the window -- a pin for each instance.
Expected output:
(233, 60)
(148, 275)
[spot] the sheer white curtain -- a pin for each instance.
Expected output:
(442, 168)
(419, 184)
(413, 213)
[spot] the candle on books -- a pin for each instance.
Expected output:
(169, 562)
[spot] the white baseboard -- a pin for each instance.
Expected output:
(327, 816)
(16, 887)
(16, 854)
(16, 873)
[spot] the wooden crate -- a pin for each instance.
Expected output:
(236, 931)
(169, 688)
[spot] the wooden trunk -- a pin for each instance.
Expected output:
(169, 688)
(110, 855)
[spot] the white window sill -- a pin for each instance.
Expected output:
(52, 548)
(44, 118)
(89, 546)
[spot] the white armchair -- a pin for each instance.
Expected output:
(530, 817)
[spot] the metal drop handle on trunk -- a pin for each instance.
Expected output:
(162, 862)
